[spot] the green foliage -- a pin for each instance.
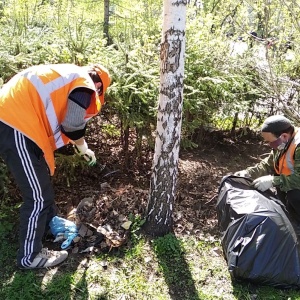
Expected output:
(185, 267)
(8, 208)
(170, 253)
(137, 222)
(216, 84)
(134, 92)
(53, 37)
(168, 246)
(4, 181)
(135, 227)
(111, 130)
(6, 225)
(225, 123)
(40, 33)
(214, 81)
(8, 249)
(68, 166)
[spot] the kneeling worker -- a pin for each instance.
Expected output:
(281, 169)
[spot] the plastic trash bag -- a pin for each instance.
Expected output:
(63, 229)
(259, 241)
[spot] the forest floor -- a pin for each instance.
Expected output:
(113, 262)
(117, 192)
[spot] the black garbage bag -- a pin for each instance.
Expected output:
(259, 242)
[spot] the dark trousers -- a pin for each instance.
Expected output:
(26, 162)
(291, 200)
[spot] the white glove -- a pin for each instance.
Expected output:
(242, 173)
(86, 153)
(263, 183)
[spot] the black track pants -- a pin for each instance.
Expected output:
(26, 162)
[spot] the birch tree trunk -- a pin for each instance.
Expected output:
(165, 163)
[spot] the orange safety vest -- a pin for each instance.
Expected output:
(285, 164)
(34, 102)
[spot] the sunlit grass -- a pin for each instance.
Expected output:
(170, 267)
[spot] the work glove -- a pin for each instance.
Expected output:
(86, 153)
(263, 183)
(63, 230)
(242, 173)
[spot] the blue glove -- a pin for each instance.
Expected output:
(63, 229)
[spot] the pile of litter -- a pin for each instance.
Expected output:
(78, 233)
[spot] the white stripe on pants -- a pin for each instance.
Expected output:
(27, 164)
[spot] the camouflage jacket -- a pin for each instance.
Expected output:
(283, 182)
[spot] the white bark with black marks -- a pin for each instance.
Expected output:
(169, 118)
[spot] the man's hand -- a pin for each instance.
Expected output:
(242, 173)
(86, 153)
(263, 183)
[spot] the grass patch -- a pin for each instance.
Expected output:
(168, 267)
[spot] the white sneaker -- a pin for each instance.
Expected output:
(48, 258)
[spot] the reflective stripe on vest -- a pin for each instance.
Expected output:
(286, 162)
(44, 91)
(35, 101)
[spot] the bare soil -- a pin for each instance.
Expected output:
(120, 190)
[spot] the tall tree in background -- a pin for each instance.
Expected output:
(169, 115)
(106, 23)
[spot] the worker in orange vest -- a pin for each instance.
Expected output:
(42, 109)
(281, 168)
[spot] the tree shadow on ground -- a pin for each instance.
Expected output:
(55, 283)
(176, 271)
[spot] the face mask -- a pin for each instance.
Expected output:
(281, 146)
(278, 144)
